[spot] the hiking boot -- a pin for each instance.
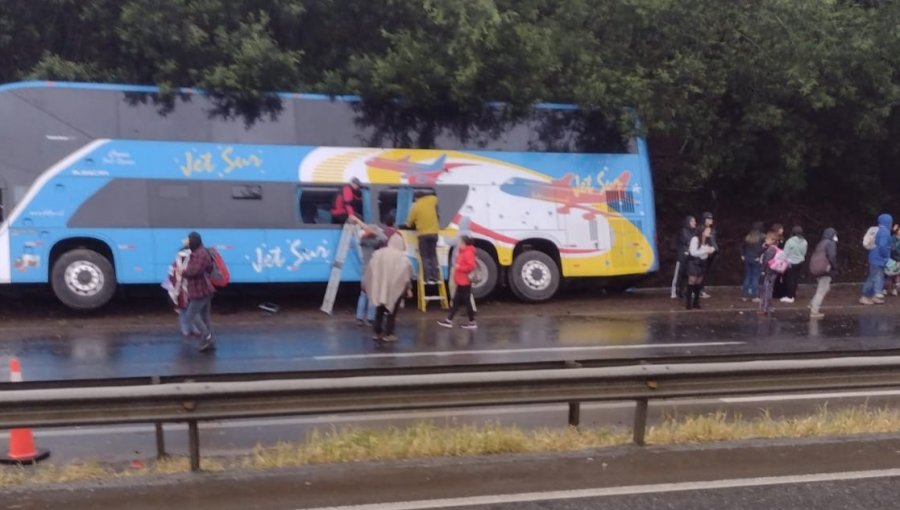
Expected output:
(866, 301)
(470, 325)
(816, 315)
(208, 345)
(445, 323)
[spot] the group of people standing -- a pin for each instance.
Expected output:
(772, 264)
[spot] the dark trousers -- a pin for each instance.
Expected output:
(462, 297)
(428, 254)
(791, 279)
(385, 320)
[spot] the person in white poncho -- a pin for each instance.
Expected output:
(387, 281)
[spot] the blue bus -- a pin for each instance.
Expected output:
(100, 183)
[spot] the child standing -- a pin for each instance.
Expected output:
(465, 264)
(769, 275)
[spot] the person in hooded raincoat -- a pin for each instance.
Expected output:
(388, 279)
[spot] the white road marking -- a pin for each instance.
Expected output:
(631, 490)
(523, 351)
(809, 396)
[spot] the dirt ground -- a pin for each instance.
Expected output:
(141, 306)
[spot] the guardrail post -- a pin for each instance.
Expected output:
(574, 407)
(574, 414)
(640, 421)
(194, 444)
(160, 435)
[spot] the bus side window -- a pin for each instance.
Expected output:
(316, 203)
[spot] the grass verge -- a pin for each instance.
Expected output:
(428, 439)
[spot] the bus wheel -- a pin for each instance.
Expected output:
(534, 276)
(486, 269)
(83, 279)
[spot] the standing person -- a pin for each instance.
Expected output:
(387, 280)
(892, 267)
(348, 203)
(465, 264)
(423, 217)
(751, 256)
(822, 265)
(795, 250)
(700, 249)
(879, 253)
(709, 222)
(769, 275)
(370, 239)
(200, 290)
(682, 243)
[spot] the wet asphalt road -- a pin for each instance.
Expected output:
(86, 351)
(858, 473)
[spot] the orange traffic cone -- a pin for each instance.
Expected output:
(21, 441)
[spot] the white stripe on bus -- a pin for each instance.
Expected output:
(33, 190)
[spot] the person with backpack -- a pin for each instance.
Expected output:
(751, 256)
(348, 203)
(878, 241)
(795, 250)
(823, 265)
(423, 217)
(699, 249)
(200, 290)
(465, 264)
(681, 244)
(774, 264)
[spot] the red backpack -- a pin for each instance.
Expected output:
(219, 276)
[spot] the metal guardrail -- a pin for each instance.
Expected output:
(195, 402)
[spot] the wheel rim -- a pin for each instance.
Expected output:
(481, 273)
(84, 278)
(536, 275)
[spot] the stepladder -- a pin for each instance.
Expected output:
(349, 235)
(427, 292)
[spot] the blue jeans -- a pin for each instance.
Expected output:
(752, 269)
(874, 282)
(185, 323)
(364, 308)
(198, 315)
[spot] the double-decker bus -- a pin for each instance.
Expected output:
(99, 185)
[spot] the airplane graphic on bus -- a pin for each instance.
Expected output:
(415, 173)
(565, 192)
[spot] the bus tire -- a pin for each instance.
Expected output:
(83, 279)
(534, 276)
(487, 268)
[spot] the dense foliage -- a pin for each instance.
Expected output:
(748, 102)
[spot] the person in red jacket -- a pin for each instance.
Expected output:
(348, 203)
(465, 264)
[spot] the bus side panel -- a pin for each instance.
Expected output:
(301, 255)
(237, 247)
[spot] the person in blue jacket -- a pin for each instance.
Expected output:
(878, 257)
